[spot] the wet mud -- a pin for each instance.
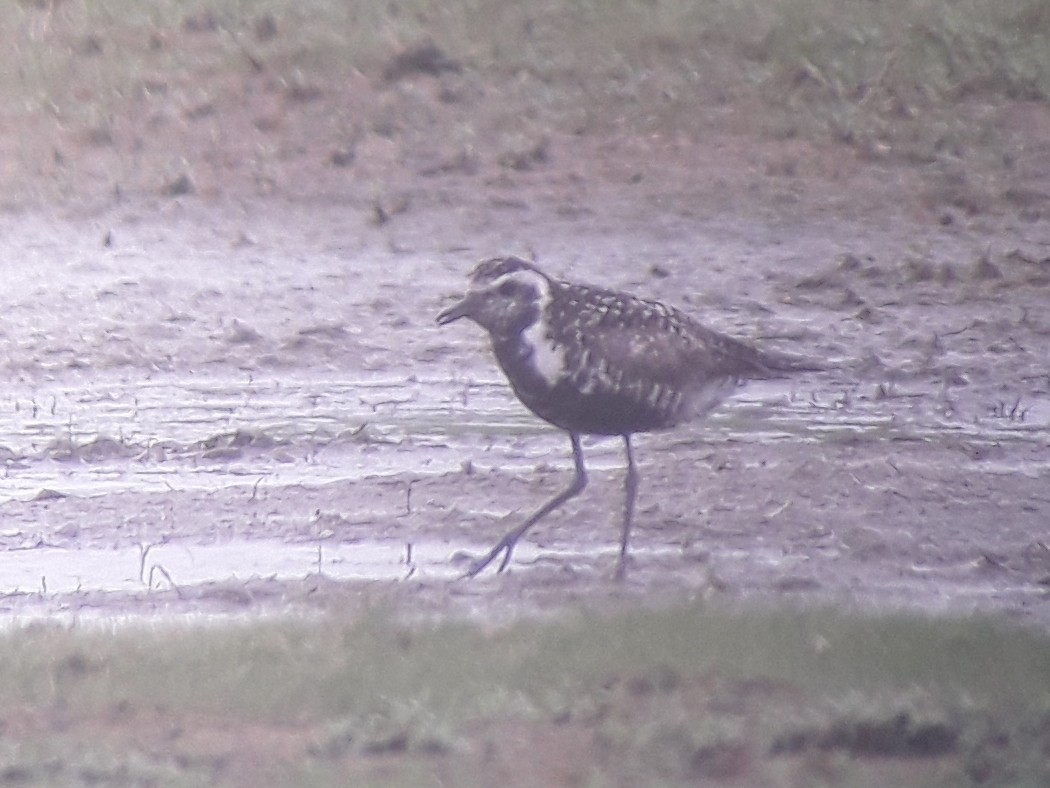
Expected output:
(223, 409)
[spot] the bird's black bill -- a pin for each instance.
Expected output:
(459, 309)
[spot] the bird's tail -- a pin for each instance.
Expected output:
(774, 365)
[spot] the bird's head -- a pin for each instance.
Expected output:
(506, 296)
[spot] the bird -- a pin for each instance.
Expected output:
(596, 361)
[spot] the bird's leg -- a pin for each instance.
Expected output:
(507, 543)
(630, 488)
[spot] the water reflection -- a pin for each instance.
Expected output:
(212, 433)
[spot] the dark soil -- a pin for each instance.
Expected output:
(219, 362)
(226, 394)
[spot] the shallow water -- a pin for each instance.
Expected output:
(230, 405)
(49, 570)
(208, 434)
(197, 436)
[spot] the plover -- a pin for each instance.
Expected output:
(599, 362)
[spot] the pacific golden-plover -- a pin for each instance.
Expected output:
(599, 362)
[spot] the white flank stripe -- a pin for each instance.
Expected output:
(548, 359)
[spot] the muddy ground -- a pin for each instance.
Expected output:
(196, 422)
(228, 396)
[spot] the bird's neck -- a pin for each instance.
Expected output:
(531, 359)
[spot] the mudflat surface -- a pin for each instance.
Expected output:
(227, 231)
(219, 407)
(225, 391)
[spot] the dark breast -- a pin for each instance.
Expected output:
(603, 410)
(629, 365)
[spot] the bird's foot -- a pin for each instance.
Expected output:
(479, 564)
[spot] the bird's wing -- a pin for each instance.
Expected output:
(648, 340)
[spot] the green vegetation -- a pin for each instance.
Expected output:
(112, 96)
(640, 697)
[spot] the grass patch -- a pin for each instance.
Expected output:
(917, 81)
(651, 697)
